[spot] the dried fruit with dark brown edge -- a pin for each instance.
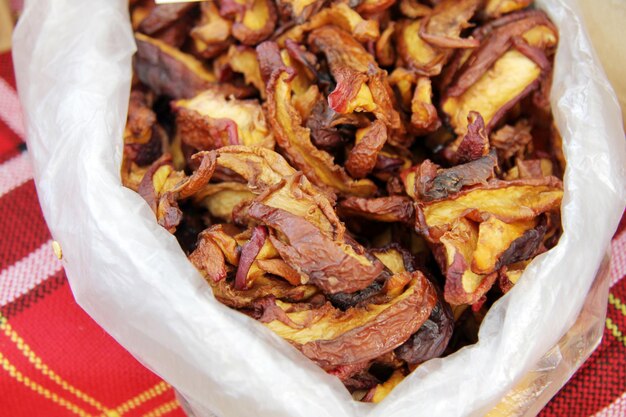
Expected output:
(168, 71)
(255, 20)
(164, 15)
(295, 139)
(212, 35)
(382, 209)
(431, 340)
(210, 121)
(311, 239)
(428, 181)
(331, 337)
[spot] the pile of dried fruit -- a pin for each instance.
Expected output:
(364, 178)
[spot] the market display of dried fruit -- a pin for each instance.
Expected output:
(363, 178)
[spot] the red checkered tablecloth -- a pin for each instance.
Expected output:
(56, 361)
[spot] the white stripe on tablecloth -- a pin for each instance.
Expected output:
(10, 109)
(618, 258)
(15, 172)
(26, 273)
(616, 409)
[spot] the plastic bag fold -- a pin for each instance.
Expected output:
(73, 67)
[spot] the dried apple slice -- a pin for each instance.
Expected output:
(368, 142)
(361, 85)
(442, 27)
(221, 198)
(424, 118)
(428, 182)
(168, 71)
(496, 8)
(243, 59)
(212, 35)
(310, 238)
(509, 201)
(331, 337)
(255, 20)
(415, 52)
(511, 78)
(295, 139)
(298, 11)
(382, 209)
(340, 15)
(163, 15)
(210, 121)
(494, 239)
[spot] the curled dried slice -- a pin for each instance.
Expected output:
(361, 85)
(210, 121)
(220, 199)
(332, 265)
(162, 187)
(168, 71)
(281, 269)
(164, 15)
(431, 340)
(295, 140)
(496, 8)
(310, 238)
(141, 119)
(473, 145)
(442, 28)
(249, 252)
(298, 11)
(340, 15)
(428, 182)
(495, 237)
(331, 337)
(382, 209)
(368, 142)
(243, 59)
(262, 286)
(415, 52)
(424, 118)
(209, 259)
(511, 78)
(454, 255)
(255, 20)
(261, 168)
(212, 35)
(509, 201)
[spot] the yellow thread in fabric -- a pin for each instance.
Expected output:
(168, 407)
(40, 366)
(615, 331)
(149, 394)
(14, 373)
(617, 303)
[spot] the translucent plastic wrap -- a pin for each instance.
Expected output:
(73, 64)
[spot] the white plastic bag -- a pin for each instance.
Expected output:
(73, 65)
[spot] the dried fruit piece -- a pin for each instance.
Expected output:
(212, 35)
(295, 139)
(382, 209)
(442, 27)
(168, 71)
(496, 8)
(210, 121)
(311, 239)
(424, 118)
(255, 20)
(163, 15)
(415, 52)
(340, 15)
(220, 199)
(368, 142)
(331, 337)
(431, 340)
(243, 59)
(379, 392)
